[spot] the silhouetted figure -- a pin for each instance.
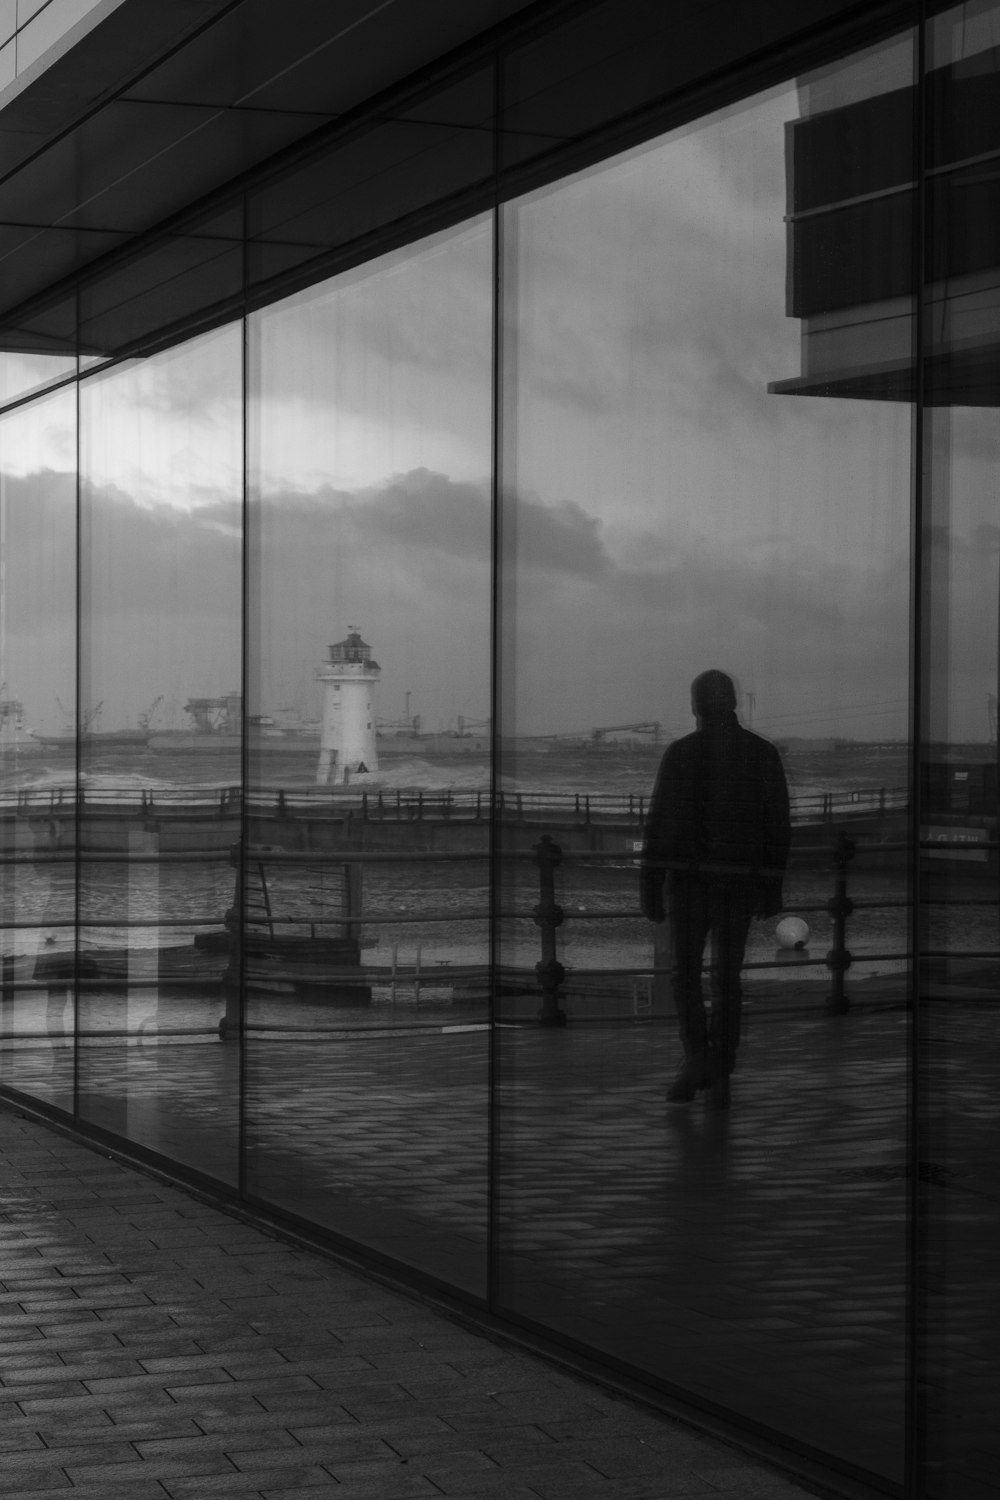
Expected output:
(716, 847)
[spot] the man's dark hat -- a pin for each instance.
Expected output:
(713, 694)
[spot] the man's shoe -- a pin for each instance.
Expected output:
(683, 1088)
(695, 1073)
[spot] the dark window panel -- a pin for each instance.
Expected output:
(963, 103)
(851, 256)
(965, 222)
(845, 153)
(863, 253)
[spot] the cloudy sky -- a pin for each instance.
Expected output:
(662, 511)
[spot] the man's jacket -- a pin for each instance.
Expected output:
(719, 810)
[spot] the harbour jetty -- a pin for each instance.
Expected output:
(325, 818)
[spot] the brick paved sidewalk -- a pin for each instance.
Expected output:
(152, 1345)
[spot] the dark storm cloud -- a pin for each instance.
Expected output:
(805, 593)
(135, 559)
(422, 513)
(560, 539)
(159, 594)
(420, 509)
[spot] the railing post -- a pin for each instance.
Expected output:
(840, 906)
(232, 978)
(548, 916)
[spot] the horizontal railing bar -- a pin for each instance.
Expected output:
(438, 970)
(229, 799)
(411, 919)
(52, 923)
(84, 857)
(624, 859)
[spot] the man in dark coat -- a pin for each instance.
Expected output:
(714, 858)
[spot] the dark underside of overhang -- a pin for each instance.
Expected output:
(958, 376)
(189, 159)
(163, 105)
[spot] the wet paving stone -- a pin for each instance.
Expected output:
(316, 1381)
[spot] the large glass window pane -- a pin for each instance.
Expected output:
(366, 864)
(706, 466)
(38, 777)
(21, 374)
(160, 747)
(960, 972)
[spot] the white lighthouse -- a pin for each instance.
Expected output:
(347, 746)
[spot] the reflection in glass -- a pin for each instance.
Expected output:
(37, 780)
(960, 971)
(365, 876)
(682, 493)
(160, 744)
(22, 374)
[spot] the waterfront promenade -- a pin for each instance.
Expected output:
(760, 1253)
(152, 1345)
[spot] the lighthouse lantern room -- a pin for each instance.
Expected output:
(347, 736)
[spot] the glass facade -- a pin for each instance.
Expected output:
(158, 802)
(498, 736)
(366, 857)
(666, 512)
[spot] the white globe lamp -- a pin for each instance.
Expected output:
(792, 932)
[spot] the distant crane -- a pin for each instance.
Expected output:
(146, 717)
(11, 709)
(86, 719)
(991, 714)
(216, 715)
(409, 723)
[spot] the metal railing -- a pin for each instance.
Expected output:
(549, 915)
(229, 802)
